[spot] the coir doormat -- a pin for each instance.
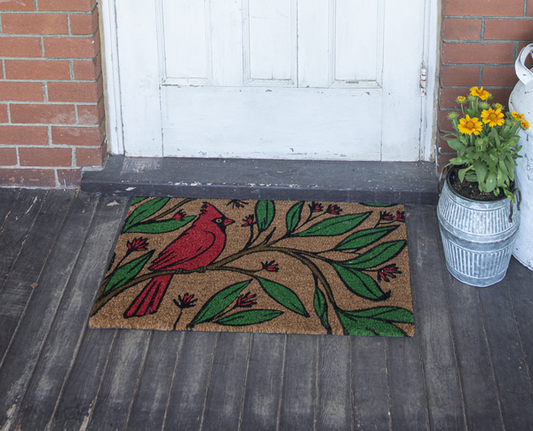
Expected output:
(263, 266)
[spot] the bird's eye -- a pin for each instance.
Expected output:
(218, 220)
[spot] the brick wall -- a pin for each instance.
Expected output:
(51, 92)
(480, 41)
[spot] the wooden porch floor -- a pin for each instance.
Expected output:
(467, 367)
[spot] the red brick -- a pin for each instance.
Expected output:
(477, 53)
(529, 9)
(84, 23)
(508, 29)
(38, 69)
(77, 47)
(448, 97)
(67, 5)
(23, 135)
(459, 75)
(87, 70)
(27, 178)
(17, 5)
(45, 114)
(82, 92)
(91, 114)
(484, 7)
(500, 95)
(69, 178)
(19, 23)
(90, 156)
(3, 113)
(500, 76)
(78, 136)
(49, 157)
(442, 161)
(8, 156)
(20, 47)
(22, 91)
(462, 29)
(445, 125)
(443, 146)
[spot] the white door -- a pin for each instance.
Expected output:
(281, 79)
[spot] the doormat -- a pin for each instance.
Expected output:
(259, 266)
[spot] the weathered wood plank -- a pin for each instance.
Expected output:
(113, 403)
(191, 380)
(16, 290)
(512, 379)
(263, 382)
(226, 386)
(298, 391)
(41, 310)
(369, 384)
(443, 391)
(334, 407)
(71, 318)
(8, 197)
(151, 397)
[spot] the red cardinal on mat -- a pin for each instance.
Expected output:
(197, 247)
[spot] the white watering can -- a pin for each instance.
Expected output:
(521, 100)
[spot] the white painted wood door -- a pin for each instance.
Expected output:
(282, 79)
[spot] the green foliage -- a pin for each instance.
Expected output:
(375, 321)
(264, 214)
(248, 317)
(293, 216)
(283, 295)
(335, 225)
(126, 273)
(321, 308)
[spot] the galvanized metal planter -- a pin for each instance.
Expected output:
(477, 236)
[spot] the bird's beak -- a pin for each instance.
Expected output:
(228, 221)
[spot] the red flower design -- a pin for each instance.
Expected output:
(248, 221)
(179, 215)
(138, 244)
(400, 216)
(316, 207)
(384, 215)
(246, 300)
(334, 209)
(387, 271)
(187, 301)
(270, 266)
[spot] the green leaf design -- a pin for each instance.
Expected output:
(218, 303)
(335, 225)
(364, 238)
(376, 256)
(142, 212)
(283, 295)
(360, 283)
(374, 321)
(137, 199)
(249, 317)
(379, 205)
(126, 273)
(321, 308)
(159, 226)
(264, 214)
(293, 216)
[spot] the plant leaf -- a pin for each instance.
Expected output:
(159, 226)
(372, 324)
(321, 308)
(360, 283)
(137, 199)
(142, 212)
(218, 303)
(378, 205)
(293, 216)
(364, 238)
(248, 317)
(335, 225)
(264, 214)
(126, 273)
(283, 295)
(390, 314)
(376, 256)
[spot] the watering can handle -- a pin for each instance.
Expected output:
(524, 74)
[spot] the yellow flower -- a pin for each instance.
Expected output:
(469, 125)
(498, 106)
(479, 92)
(524, 124)
(461, 99)
(492, 117)
(517, 116)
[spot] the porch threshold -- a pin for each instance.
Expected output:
(340, 181)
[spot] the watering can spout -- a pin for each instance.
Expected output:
(522, 72)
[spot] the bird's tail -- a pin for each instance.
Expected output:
(147, 302)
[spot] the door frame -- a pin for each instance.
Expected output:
(116, 133)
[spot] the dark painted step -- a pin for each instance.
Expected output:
(384, 182)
